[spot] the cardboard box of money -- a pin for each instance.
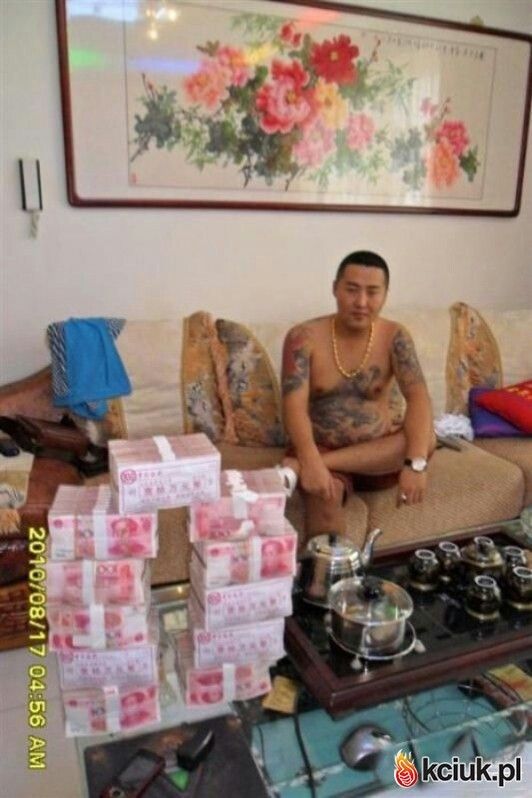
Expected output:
(84, 521)
(84, 582)
(220, 683)
(110, 709)
(158, 472)
(238, 644)
(97, 626)
(235, 605)
(231, 562)
(250, 503)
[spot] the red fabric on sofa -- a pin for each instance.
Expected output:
(513, 403)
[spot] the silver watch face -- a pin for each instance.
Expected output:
(418, 464)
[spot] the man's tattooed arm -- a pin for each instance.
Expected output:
(296, 359)
(405, 362)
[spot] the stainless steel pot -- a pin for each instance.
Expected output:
(328, 559)
(368, 615)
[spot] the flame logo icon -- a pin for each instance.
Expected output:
(406, 774)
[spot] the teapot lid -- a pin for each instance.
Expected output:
(482, 551)
(370, 600)
(333, 547)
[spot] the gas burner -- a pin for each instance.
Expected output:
(410, 643)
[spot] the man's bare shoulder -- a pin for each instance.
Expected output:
(309, 331)
(391, 329)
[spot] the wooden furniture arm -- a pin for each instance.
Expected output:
(31, 396)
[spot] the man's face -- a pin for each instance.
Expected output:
(360, 294)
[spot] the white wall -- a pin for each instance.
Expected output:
(242, 265)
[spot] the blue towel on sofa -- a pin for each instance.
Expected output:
(86, 366)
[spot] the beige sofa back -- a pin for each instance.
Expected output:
(196, 374)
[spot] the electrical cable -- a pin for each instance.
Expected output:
(304, 753)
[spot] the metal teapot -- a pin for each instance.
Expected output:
(329, 558)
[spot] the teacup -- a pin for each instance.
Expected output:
(424, 570)
(483, 598)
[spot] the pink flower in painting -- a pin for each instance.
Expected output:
(288, 34)
(360, 131)
(456, 135)
(282, 104)
(207, 86)
(317, 142)
(442, 165)
(233, 61)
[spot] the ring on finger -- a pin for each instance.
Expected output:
(404, 497)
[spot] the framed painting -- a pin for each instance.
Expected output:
(290, 105)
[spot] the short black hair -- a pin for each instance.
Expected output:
(364, 258)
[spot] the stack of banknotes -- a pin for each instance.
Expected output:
(85, 582)
(97, 627)
(218, 683)
(111, 708)
(235, 562)
(241, 576)
(85, 522)
(136, 665)
(250, 503)
(98, 609)
(158, 472)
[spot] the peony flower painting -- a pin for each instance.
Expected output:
(299, 105)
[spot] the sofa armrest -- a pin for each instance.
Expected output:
(31, 396)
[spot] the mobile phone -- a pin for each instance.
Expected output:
(132, 781)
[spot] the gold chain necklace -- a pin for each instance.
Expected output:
(351, 374)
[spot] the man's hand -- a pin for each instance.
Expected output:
(412, 486)
(316, 478)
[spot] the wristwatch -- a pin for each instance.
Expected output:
(418, 464)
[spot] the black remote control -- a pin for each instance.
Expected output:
(195, 749)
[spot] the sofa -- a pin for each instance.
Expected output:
(221, 377)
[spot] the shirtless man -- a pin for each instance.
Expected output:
(337, 377)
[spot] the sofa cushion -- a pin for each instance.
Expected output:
(252, 385)
(466, 488)
(512, 331)
(205, 406)
(517, 451)
(486, 424)
(513, 403)
(474, 358)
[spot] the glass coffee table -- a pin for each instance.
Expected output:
(484, 711)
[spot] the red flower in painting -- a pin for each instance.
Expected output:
(288, 34)
(333, 60)
(456, 135)
(282, 104)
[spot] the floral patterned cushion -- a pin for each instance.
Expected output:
(251, 385)
(203, 396)
(473, 360)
